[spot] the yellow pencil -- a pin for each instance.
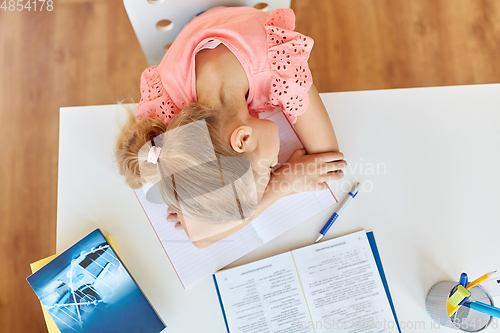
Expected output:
(479, 280)
(451, 309)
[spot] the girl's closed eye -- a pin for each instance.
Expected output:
(274, 164)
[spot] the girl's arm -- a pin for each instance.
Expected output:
(314, 126)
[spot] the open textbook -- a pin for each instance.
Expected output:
(193, 264)
(335, 285)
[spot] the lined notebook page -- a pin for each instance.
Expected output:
(193, 264)
(288, 139)
(289, 212)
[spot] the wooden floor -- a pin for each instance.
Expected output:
(85, 52)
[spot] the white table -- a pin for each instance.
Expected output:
(431, 197)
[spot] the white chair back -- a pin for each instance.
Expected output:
(157, 22)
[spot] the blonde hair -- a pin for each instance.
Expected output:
(191, 160)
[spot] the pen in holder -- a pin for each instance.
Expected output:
(463, 319)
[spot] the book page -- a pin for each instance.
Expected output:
(289, 141)
(191, 263)
(343, 287)
(289, 212)
(264, 296)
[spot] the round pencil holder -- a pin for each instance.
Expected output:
(464, 319)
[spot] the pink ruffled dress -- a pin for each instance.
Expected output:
(273, 56)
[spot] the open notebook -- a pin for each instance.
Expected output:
(332, 286)
(193, 264)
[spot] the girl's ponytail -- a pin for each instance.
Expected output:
(132, 160)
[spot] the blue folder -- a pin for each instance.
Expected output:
(373, 245)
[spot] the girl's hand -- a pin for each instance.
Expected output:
(308, 172)
(172, 217)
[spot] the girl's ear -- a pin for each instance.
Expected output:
(240, 139)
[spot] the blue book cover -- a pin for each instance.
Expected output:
(376, 255)
(88, 289)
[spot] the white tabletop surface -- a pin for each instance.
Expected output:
(429, 160)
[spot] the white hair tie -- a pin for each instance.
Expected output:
(154, 154)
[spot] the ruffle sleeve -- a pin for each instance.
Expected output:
(288, 53)
(155, 102)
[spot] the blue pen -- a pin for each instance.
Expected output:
(335, 215)
(464, 280)
(484, 308)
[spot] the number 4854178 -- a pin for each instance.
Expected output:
(20, 5)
